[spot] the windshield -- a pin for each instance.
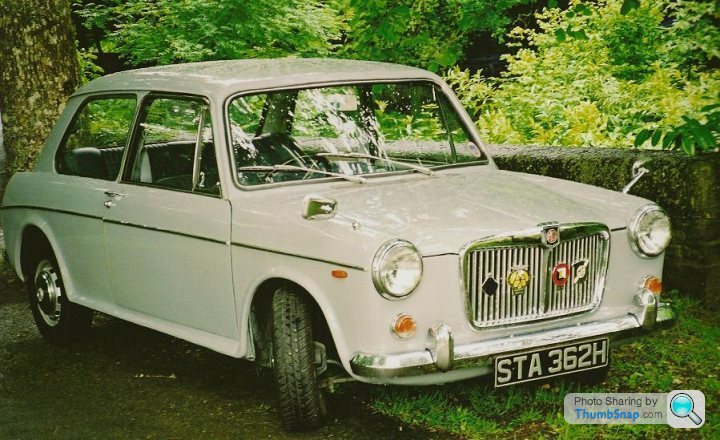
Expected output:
(351, 130)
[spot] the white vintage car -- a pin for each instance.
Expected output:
(325, 215)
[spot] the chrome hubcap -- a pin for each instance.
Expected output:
(48, 293)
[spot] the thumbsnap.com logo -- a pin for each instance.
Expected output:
(677, 408)
(686, 409)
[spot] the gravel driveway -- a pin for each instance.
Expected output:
(125, 381)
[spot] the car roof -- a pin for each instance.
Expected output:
(221, 78)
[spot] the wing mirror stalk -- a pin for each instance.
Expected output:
(638, 170)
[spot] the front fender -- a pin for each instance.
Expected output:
(334, 296)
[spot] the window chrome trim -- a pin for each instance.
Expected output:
(198, 146)
(175, 190)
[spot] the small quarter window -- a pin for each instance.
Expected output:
(94, 143)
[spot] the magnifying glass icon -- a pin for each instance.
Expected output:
(682, 405)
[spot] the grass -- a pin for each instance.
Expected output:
(686, 356)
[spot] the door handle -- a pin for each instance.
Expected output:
(114, 194)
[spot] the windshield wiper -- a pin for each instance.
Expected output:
(412, 166)
(290, 168)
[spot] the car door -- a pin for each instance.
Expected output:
(167, 226)
(87, 161)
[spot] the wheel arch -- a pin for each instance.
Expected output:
(259, 311)
(36, 236)
(34, 240)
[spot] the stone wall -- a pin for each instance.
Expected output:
(687, 188)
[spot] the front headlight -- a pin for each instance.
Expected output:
(649, 231)
(396, 269)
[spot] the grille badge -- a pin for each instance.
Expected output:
(498, 256)
(518, 279)
(550, 234)
(580, 270)
(489, 287)
(560, 274)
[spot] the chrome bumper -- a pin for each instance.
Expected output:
(441, 355)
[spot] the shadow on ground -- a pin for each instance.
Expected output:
(125, 381)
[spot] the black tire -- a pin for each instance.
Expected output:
(302, 403)
(58, 320)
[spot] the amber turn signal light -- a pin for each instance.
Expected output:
(337, 273)
(654, 285)
(403, 326)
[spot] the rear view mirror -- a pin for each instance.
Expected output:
(316, 207)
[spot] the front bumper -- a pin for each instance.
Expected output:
(443, 358)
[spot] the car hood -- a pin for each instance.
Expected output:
(441, 213)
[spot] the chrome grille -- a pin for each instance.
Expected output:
(492, 260)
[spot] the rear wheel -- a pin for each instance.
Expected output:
(302, 403)
(58, 320)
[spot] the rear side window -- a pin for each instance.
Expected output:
(94, 143)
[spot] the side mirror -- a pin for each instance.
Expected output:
(318, 208)
(638, 170)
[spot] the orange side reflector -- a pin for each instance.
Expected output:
(654, 285)
(337, 273)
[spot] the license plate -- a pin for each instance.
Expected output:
(549, 362)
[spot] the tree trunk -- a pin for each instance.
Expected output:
(39, 69)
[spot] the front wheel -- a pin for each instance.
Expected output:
(302, 403)
(58, 320)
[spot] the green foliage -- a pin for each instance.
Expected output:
(596, 74)
(629, 41)
(694, 33)
(423, 125)
(690, 135)
(103, 123)
(170, 119)
(165, 31)
(629, 5)
(89, 69)
(677, 358)
(432, 34)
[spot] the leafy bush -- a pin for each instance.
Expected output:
(689, 135)
(88, 68)
(431, 34)
(166, 31)
(592, 75)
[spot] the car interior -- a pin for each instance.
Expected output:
(166, 164)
